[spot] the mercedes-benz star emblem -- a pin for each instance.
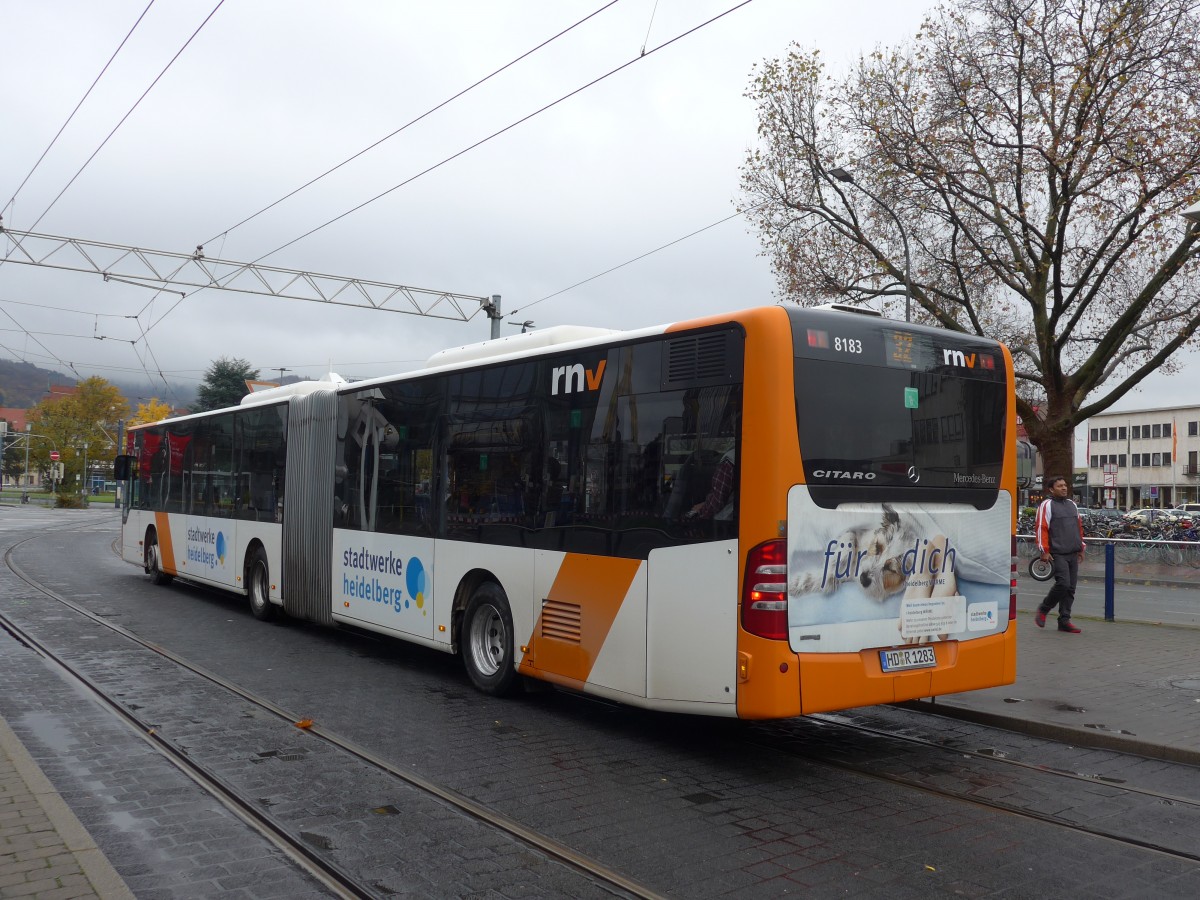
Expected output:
(913, 475)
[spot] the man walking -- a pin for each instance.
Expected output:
(1060, 538)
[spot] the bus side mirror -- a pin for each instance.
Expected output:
(123, 467)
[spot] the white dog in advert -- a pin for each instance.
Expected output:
(884, 558)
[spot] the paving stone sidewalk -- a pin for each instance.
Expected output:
(1119, 685)
(45, 853)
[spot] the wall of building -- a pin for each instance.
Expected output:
(1143, 458)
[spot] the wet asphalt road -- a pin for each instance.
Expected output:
(691, 807)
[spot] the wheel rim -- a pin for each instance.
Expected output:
(487, 641)
(258, 585)
(152, 557)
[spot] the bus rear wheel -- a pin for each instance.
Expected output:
(153, 561)
(487, 641)
(258, 586)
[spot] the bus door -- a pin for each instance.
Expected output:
(383, 554)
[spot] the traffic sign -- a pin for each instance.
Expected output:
(54, 455)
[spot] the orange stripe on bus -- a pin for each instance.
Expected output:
(597, 585)
(166, 550)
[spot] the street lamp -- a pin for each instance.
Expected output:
(846, 178)
(28, 441)
(86, 485)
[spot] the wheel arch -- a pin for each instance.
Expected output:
(467, 586)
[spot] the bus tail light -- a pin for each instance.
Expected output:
(764, 593)
(1012, 584)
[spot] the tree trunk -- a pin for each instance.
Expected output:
(1056, 445)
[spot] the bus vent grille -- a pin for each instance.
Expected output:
(708, 358)
(561, 621)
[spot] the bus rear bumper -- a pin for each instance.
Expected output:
(834, 681)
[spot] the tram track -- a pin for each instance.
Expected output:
(297, 846)
(777, 737)
(994, 758)
(814, 744)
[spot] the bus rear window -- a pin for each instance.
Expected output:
(894, 428)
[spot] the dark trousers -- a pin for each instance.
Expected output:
(1062, 594)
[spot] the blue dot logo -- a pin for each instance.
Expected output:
(414, 580)
(221, 548)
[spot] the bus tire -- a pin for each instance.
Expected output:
(153, 563)
(487, 641)
(258, 586)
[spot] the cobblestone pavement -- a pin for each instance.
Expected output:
(1118, 685)
(44, 850)
(1125, 686)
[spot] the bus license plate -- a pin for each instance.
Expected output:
(907, 658)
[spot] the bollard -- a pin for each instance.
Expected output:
(1110, 575)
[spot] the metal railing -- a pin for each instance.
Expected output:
(1129, 551)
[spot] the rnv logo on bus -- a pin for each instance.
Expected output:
(966, 360)
(574, 378)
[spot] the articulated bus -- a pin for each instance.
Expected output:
(764, 514)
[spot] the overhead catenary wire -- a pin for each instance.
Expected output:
(178, 374)
(157, 368)
(299, 366)
(503, 130)
(474, 145)
(649, 25)
(88, 161)
(86, 94)
(637, 258)
(136, 103)
(184, 295)
(235, 273)
(67, 334)
(67, 309)
(22, 328)
(412, 122)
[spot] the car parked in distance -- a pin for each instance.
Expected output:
(1150, 516)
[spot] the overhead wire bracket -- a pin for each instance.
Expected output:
(161, 268)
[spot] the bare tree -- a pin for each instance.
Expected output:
(1017, 171)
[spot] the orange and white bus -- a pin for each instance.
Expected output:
(763, 514)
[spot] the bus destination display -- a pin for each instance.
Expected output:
(900, 349)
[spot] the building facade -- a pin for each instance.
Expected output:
(1144, 458)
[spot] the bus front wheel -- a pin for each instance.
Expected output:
(487, 642)
(258, 586)
(153, 564)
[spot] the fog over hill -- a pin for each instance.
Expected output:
(23, 384)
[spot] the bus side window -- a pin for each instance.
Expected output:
(405, 420)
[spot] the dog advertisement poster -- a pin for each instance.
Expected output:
(871, 575)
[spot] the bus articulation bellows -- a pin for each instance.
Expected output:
(769, 513)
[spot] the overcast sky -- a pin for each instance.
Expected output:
(270, 94)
